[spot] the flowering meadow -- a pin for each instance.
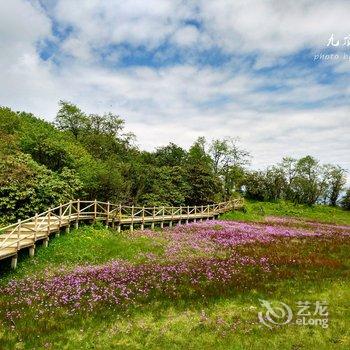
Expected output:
(197, 261)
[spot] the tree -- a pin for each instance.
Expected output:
(255, 185)
(345, 203)
(10, 122)
(108, 124)
(71, 118)
(275, 183)
(170, 155)
(228, 162)
(305, 187)
(226, 153)
(335, 179)
(168, 187)
(205, 186)
(198, 154)
(27, 187)
(104, 136)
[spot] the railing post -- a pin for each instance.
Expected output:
(162, 222)
(19, 225)
(107, 220)
(208, 210)
(59, 220)
(95, 210)
(180, 215)
(60, 216)
(153, 218)
(32, 251)
(132, 219)
(78, 214)
(69, 216)
(113, 219)
(195, 213)
(32, 248)
(172, 217)
(188, 214)
(143, 218)
(202, 213)
(119, 227)
(48, 229)
(35, 226)
(15, 257)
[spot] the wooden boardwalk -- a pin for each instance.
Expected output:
(25, 234)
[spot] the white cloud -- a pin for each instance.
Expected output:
(186, 36)
(181, 102)
(274, 27)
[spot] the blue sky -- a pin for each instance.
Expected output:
(176, 69)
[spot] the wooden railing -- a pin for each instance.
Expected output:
(40, 226)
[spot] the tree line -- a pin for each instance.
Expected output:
(91, 156)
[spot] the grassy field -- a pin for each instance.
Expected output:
(193, 287)
(258, 211)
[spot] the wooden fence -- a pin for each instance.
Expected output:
(25, 233)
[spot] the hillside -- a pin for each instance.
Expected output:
(90, 156)
(188, 287)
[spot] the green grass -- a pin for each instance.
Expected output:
(257, 211)
(217, 323)
(214, 322)
(86, 245)
(209, 322)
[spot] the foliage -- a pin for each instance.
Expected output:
(228, 162)
(97, 152)
(170, 155)
(167, 187)
(27, 187)
(303, 181)
(71, 118)
(346, 200)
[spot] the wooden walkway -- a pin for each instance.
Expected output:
(25, 234)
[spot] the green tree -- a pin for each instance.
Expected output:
(104, 136)
(205, 185)
(229, 161)
(345, 202)
(334, 180)
(255, 185)
(27, 187)
(170, 155)
(71, 118)
(168, 187)
(305, 186)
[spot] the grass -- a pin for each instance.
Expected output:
(258, 211)
(304, 269)
(217, 323)
(86, 245)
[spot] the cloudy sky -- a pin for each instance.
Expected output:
(261, 70)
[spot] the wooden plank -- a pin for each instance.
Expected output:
(25, 233)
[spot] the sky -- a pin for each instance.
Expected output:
(275, 73)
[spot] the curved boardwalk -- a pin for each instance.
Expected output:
(25, 234)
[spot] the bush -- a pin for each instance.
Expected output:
(345, 203)
(27, 187)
